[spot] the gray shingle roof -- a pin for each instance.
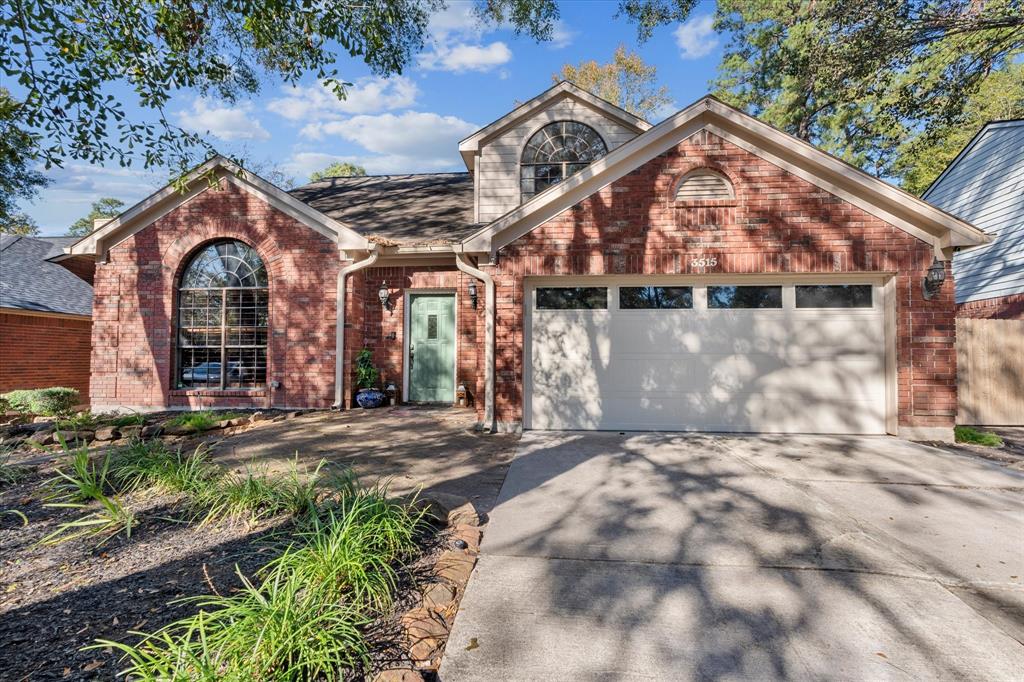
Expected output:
(984, 185)
(28, 281)
(408, 209)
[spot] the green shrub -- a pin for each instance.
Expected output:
(133, 419)
(969, 434)
(151, 464)
(201, 420)
(85, 479)
(367, 376)
(51, 402)
(5, 405)
(82, 420)
(306, 618)
(112, 518)
(11, 473)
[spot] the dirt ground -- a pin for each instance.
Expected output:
(410, 447)
(55, 600)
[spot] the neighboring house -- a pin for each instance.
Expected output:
(45, 314)
(590, 271)
(984, 185)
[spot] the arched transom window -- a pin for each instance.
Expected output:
(557, 151)
(222, 319)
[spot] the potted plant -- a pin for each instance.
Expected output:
(367, 376)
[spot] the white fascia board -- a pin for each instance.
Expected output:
(165, 200)
(874, 196)
(469, 147)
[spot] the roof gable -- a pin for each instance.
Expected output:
(984, 184)
(197, 181)
(875, 196)
(469, 147)
(28, 281)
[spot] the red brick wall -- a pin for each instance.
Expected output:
(1003, 308)
(82, 266)
(134, 305)
(42, 351)
(377, 323)
(778, 223)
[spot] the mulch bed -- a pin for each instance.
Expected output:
(55, 600)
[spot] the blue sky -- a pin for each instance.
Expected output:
(464, 79)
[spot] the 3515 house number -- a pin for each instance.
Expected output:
(704, 262)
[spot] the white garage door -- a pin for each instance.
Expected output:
(805, 357)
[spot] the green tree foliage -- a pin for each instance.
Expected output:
(66, 56)
(341, 169)
(19, 180)
(860, 77)
(107, 207)
(922, 157)
(18, 222)
(626, 80)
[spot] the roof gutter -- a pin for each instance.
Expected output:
(489, 309)
(339, 333)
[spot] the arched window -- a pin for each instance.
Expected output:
(704, 184)
(557, 151)
(222, 319)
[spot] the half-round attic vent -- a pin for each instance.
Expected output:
(704, 185)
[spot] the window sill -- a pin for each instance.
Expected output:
(220, 393)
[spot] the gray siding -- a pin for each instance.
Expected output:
(497, 165)
(985, 187)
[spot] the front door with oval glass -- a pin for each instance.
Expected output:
(431, 350)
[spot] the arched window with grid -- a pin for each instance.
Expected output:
(556, 152)
(222, 319)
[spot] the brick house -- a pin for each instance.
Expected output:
(590, 271)
(45, 314)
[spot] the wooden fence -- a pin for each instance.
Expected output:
(990, 372)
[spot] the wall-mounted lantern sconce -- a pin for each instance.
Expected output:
(383, 295)
(934, 278)
(472, 292)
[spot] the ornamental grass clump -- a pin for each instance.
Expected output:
(305, 615)
(151, 464)
(84, 485)
(202, 420)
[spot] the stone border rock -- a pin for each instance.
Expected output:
(427, 626)
(43, 433)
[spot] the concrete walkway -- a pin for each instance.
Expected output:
(670, 556)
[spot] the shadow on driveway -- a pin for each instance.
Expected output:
(673, 556)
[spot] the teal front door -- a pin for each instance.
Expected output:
(432, 348)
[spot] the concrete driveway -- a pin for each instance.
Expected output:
(671, 556)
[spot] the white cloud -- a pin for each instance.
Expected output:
(457, 19)
(457, 45)
(366, 96)
(411, 142)
(696, 38)
(223, 121)
(463, 57)
(562, 36)
(411, 133)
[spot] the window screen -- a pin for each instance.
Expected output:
(640, 298)
(745, 297)
(572, 298)
(834, 296)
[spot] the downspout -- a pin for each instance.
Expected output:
(463, 264)
(339, 337)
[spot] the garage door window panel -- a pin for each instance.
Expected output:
(834, 296)
(744, 297)
(572, 298)
(659, 298)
